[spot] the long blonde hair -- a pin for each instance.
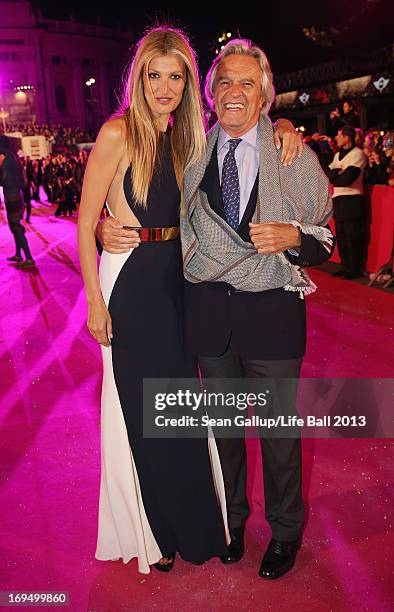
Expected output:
(142, 133)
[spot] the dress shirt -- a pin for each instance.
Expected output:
(247, 157)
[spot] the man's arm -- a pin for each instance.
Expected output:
(345, 178)
(311, 252)
(271, 238)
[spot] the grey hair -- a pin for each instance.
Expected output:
(242, 46)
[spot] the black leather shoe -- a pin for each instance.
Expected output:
(197, 562)
(235, 550)
(279, 558)
(165, 567)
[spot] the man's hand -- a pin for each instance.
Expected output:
(270, 238)
(287, 137)
(114, 238)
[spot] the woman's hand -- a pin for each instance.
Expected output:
(99, 322)
(287, 137)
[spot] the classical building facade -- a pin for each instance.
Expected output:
(58, 72)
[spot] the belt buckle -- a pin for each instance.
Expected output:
(154, 234)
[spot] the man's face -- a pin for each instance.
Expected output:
(237, 94)
(341, 139)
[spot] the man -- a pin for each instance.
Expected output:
(346, 173)
(244, 324)
(240, 320)
(12, 181)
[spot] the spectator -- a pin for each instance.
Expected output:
(12, 181)
(347, 115)
(350, 212)
(388, 148)
(323, 146)
(350, 114)
(376, 169)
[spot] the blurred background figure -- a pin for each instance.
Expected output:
(388, 149)
(346, 114)
(13, 182)
(350, 212)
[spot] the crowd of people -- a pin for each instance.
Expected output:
(351, 160)
(21, 178)
(61, 177)
(376, 144)
(57, 135)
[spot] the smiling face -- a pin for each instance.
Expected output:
(164, 86)
(237, 94)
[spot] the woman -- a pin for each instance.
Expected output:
(160, 498)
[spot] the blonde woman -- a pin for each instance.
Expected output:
(157, 496)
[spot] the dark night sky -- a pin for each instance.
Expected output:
(277, 27)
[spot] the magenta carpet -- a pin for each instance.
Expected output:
(49, 451)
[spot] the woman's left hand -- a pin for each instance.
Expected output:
(287, 137)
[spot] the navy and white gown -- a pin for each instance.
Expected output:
(157, 496)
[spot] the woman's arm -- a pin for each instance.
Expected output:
(100, 171)
(287, 137)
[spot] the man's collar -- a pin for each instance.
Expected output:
(342, 151)
(250, 137)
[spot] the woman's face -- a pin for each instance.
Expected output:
(164, 84)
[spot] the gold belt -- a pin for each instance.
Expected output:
(155, 234)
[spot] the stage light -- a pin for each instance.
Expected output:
(228, 34)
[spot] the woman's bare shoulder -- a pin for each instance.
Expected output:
(114, 131)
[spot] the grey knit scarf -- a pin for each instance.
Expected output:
(297, 194)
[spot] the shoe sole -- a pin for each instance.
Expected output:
(231, 562)
(282, 573)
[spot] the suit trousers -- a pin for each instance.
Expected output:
(351, 244)
(282, 457)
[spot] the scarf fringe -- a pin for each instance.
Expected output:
(301, 281)
(302, 291)
(322, 234)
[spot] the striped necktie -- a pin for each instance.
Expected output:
(230, 185)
